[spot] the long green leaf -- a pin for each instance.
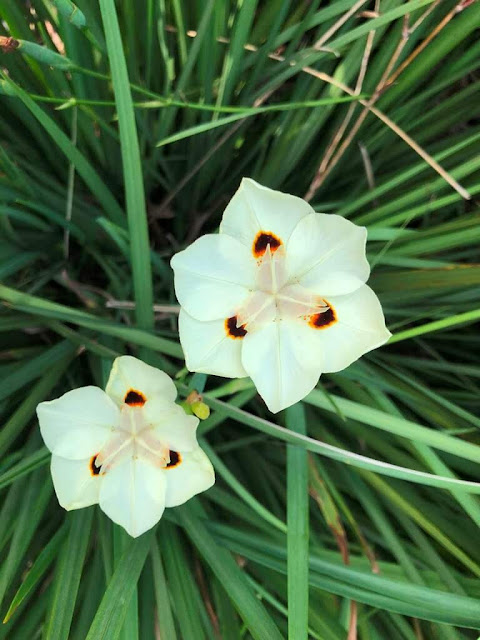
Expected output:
(298, 527)
(222, 564)
(132, 169)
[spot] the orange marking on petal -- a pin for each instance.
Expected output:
(323, 320)
(232, 330)
(262, 240)
(175, 460)
(134, 398)
(94, 469)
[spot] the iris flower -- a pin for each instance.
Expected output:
(129, 448)
(278, 295)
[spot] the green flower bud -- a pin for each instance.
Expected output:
(201, 410)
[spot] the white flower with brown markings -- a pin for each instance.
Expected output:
(129, 448)
(278, 295)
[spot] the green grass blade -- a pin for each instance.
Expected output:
(298, 527)
(110, 615)
(132, 170)
(36, 573)
(222, 564)
(67, 576)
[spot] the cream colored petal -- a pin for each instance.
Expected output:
(174, 428)
(326, 253)
(131, 374)
(359, 329)
(256, 208)
(284, 360)
(191, 476)
(77, 425)
(75, 482)
(213, 277)
(132, 494)
(209, 349)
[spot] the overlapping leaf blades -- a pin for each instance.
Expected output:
(226, 88)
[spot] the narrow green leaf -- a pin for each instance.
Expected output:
(71, 12)
(165, 622)
(35, 498)
(347, 457)
(121, 541)
(25, 466)
(84, 168)
(38, 306)
(451, 321)
(248, 113)
(39, 392)
(37, 572)
(56, 355)
(67, 576)
(297, 527)
(132, 169)
(109, 618)
(44, 55)
(255, 616)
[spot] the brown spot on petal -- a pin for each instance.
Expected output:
(324, 319)
(232, 330)
(261, 242)
(134, 398)
(175, 460)
(94, 470)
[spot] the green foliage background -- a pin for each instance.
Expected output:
(125, 129)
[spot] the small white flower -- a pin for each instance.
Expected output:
(130, 448)
(278, 295)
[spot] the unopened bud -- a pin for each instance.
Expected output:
(201, 410)
(195, 405)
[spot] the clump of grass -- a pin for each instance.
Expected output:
(125, 129)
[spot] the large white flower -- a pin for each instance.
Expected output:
(278, 295)
(130, 448)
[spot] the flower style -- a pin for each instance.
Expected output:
(130, 448)
(278, 295)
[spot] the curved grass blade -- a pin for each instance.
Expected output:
(347, 457)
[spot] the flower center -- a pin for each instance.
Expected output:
(134, 438)
(276, 298)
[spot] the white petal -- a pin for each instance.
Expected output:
(326, 253)
(77, 425)
(255, 208)
(174, 428)
(213, 276)
(75, 484)
(130, 374)
(133, 495)
(208, 348)
(360, 328)
(192, 475)
(284, 360)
